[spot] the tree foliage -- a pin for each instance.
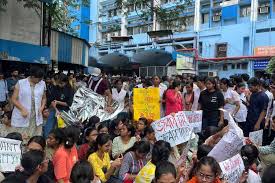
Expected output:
(62, 12)
(165, 16)
(271, 66)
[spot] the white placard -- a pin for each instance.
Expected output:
(195, 120)
(257, 137)
(230, 144)
(232, 169)
(10, 154)
(173, 129)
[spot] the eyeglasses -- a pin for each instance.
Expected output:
(206, 177)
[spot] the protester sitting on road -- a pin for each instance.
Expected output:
(34, 165)
(208, 170)
(90, 138)
(161, 152)
(100, 159)
(103, 128)
(65, 156)
(165, 173)
(125, 140)
(133, 161)
(82, 172)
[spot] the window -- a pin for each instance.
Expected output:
(205, 18)
(130, 30)
(221, 50)
(238, 66)
(224, 67)
(232, 66)
(245, 11)
(200, 48)
(244, 66)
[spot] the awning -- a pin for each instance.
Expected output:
(114, 59)
(152, 57)
(24, 52)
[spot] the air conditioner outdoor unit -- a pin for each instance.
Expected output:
(216, 18)
(264, 9)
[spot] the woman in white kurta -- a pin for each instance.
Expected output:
(29, 100)
(119, 94)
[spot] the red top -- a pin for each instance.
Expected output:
(63, 162)
(173, 102)
(82, 151)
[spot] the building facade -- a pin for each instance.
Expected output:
(231, 37)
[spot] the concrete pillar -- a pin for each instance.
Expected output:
(197, 17)
(156, 24)
(123, 31)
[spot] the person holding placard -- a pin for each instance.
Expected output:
(162, 89)
(210, 101)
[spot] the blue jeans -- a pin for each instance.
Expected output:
(50, 124)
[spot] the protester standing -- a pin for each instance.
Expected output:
(61, 99)
(3, 90)
(11, 82)
(210, 101)
(29, 99)
(257, 108)
(173, 99)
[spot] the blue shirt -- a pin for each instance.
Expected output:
(257, 104)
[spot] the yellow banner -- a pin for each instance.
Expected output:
(146, 103)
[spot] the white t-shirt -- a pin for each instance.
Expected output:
(197, 93)
(253, 177)
(242, 113)
(234, 97)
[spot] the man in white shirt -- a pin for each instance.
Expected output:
(197, 91)
(3, 90)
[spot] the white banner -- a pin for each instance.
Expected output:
(173, 129)
(232, 169)
(10, 154)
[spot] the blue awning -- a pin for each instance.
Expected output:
(23, 52)
(230, 12)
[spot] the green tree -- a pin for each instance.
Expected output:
(62, 12)
(165, 16)
(271, 66)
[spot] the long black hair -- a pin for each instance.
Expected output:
(39, 140)
(82, 172)
(101, 139)
(161, 151)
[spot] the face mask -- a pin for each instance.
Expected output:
(96, 78)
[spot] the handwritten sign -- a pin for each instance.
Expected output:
(232, 168)
(256, 137)
(195, 120)
(173, 129)
(10, 154)
(231, 143)
(146, 103)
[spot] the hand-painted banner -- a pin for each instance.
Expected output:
(10, 154)
(146, 103)
(256, 137)
(173, 129)
(232, 168)
(195, 120)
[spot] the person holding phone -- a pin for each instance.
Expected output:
(100, 159)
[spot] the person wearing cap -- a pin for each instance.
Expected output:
(100, 85)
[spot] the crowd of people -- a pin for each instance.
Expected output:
(126, 151)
